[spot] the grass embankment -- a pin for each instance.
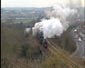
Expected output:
(18, 51)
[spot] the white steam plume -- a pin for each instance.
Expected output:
(50, 27)
(56, 24)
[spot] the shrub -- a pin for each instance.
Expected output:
(27, 51)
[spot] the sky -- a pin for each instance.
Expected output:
(30, 3)
(34, 3)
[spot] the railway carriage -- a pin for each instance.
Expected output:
(41, 39)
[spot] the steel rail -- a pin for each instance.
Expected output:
(59, 52)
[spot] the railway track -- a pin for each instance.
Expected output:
(57, 51)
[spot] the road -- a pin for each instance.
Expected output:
(80, 43)
(80, 51)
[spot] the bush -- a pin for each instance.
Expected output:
(68, 42)
(23, 50)
(29, 52)
(5, 63)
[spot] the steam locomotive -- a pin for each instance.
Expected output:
(41, 39)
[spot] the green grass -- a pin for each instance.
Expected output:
(27, 20)
(54, 62)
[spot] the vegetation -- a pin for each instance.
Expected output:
(15, 46)
(54, 62)
(68, 42)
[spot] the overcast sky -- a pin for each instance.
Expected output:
(36, 3)
(30, 3)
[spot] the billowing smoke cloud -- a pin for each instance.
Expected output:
(56, 24)
(62, 11)
(27, 30)
(50, 27)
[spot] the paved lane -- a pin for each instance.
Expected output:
(80, 43)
